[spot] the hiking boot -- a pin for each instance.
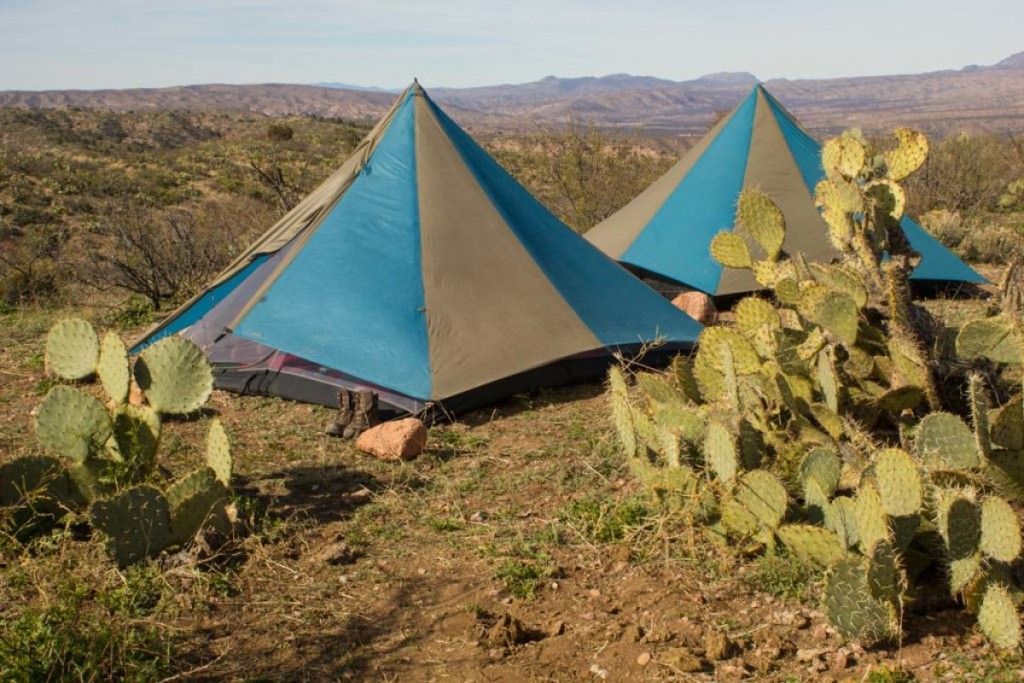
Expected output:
(364, 414)
(345, 412)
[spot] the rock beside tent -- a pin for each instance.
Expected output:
(397, 440)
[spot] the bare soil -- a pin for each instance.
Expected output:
(516, 548)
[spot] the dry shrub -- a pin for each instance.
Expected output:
(168, 255)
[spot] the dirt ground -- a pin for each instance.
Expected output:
(516, 548)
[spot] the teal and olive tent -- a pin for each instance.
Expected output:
(665, 233)
(421, 270)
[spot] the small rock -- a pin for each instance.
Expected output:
(809, 654)
(338, 554)
(698, 306)
(598, 671)
(507, 632)
(557, 628)
(683, 659)
(820, 632)
(644, 659)
(478, 517)
(717, 646)
(632, 634)
(397, 440)
(594, 593)
(840, 660)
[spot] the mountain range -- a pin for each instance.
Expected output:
(973, 99)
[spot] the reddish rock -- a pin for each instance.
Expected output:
(397, 440)
(698, 306)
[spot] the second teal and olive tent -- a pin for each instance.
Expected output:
(423, 271)
(665, 233)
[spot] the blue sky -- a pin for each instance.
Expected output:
(61, 44)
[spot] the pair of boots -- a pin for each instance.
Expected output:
(357, 412)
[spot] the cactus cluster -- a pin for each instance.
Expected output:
(107, 467)
(814, 423)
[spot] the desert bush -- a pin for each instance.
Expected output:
(168, 255)
(31, 264)
(816, 423)
(280, 132)
(979, 238)
(582, 173)
(965, 173)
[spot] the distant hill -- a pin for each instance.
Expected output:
(976, 98)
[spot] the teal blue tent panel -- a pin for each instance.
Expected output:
(615, 306)
(677, 240)
(937, 262)
(337, 302)
(204, 304)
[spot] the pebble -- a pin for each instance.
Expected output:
(598, 671)
(644, 659)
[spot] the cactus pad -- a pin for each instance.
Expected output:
(908, 156)
(136, 523)
(887, 196)
(990, 338)
(838, 313)
(682, 370)
(113, 369)
(175, 376)
(720, 453)
(849, 607)
(842, 278)
(843, 156)
(196, 502)
(899, 483)
(136, 437)
(839, 195)
(883, 576)
(1000, 530)
(828, 380)
(657, 388)
(841, 518)
(218, 452)
(711, 342)
(763, 221)
(998, 619)
(811, 544)
(72, 349)
(72, 423)
(822, 466)
(753, 313)
(761, 493)
(1008, 425)
(946, 437)
(958, 519)
(872, 523)
(618, 393)
(730, 250)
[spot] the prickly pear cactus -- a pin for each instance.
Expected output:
(109, 465)
(72, 423)
(136, 523)
(72, 349)
(175, 376)
(196, 502)
(814, 423)
(218, 452)
(112, 368)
